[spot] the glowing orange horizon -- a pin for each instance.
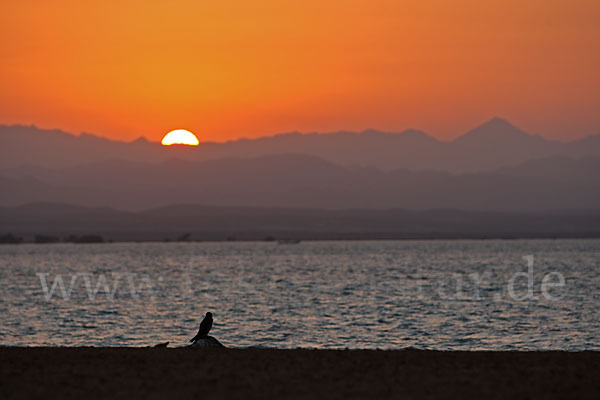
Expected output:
(236, 68)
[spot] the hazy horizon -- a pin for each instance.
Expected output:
(433, 135)
(493, 167)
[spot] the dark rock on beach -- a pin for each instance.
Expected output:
(207, 341)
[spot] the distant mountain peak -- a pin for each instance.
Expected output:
(140, 140)
(498, 120)
(495, 129)
(497, 123)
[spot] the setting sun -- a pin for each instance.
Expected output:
(180, 136)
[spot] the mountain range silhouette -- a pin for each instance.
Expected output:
(494, 167)
(495, 144)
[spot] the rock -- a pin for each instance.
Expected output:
(208, 341)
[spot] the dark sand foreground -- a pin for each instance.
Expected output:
(266, 373)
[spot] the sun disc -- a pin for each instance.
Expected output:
(180, 136)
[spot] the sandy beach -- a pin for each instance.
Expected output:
(271, 373)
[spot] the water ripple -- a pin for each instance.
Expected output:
(386, 294)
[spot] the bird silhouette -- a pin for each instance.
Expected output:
(205, 326)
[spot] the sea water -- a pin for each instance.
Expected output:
(449, 295)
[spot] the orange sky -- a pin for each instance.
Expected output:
(230, 68)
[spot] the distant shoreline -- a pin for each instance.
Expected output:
(53, 222)
(333, 239)
(300, 373)
(298, 239)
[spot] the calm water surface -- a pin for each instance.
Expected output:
(370, 294)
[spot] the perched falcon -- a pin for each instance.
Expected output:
(205, 326)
